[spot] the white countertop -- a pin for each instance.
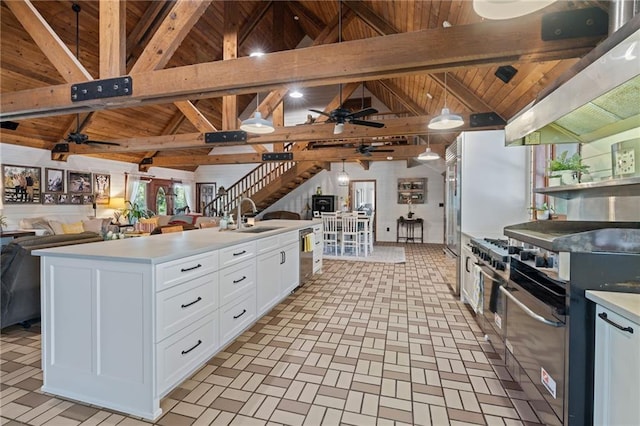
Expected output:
(166, 247)
(624, 304)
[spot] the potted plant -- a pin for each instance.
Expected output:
(3, 221)
(133, 212)
(569, 169)
(543, 211)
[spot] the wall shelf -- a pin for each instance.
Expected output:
(414, 189)
(605, 188)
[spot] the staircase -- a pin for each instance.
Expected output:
(266, 184)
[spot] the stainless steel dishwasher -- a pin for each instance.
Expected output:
(306, 254)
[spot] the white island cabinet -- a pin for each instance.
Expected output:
(616, 394)
(124, 322)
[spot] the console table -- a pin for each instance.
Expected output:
(7, 236)
(409, 228)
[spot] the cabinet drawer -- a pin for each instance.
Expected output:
(188, 268)
(268, 244)
(289, 237)
(236, 316)
(182, 353)
(237, 280)
(183, 304)
(317, 262)
(237, 253)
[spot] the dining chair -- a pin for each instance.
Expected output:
(349, 233)
(330, 231)
(208, 225)
(365, 236)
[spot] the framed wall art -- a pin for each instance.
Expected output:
(87, 199)
(48, 198)
(20, 184)
(101, 188)
(79, 183)
(53, 180)
(75, 199)
(62, 199)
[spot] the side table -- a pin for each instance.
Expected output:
(7, 236)
(409, 225)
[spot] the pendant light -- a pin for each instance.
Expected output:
(428, 155)
(338, 128)
(343, 177)
(446, 120)
(257, 124)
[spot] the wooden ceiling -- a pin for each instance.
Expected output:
(191, 70)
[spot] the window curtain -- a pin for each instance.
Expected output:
(188, 195)
(132, 186)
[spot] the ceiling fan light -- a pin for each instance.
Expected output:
(428, 155)
(338, 128)
(296, 94)
(507, 9)
(257, 124)
(446, 120)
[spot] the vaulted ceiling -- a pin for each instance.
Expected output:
(191, 71)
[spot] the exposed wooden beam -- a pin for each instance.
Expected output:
(371, 18)
(402, 98)
(113, 36)
(405, 126)
(312, 25)
(462, 93)
(48, 41)
(428, 51)
(364, 164)
(170, 34)
(194, 116)
(400, 152)
(230, 51)
(153, 16)
(254, 19)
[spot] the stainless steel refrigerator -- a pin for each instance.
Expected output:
(486, 188)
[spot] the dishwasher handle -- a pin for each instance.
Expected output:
(528, 311)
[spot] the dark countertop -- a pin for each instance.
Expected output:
(578, 236)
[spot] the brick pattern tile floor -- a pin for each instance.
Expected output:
(361, 344)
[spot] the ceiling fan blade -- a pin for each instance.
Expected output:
(90, 142)
(367, 123)
(321, 112)
(363, 113)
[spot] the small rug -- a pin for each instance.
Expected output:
(383, 254)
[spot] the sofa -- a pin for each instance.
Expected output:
(20, 276)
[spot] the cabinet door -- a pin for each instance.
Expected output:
(467, 261)
(290, 269)
(268, 277)
(617, 371)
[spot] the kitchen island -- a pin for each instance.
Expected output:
(124, 322)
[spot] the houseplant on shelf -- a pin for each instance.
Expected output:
(543, 211)
(569, 169)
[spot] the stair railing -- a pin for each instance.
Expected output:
(248, 185)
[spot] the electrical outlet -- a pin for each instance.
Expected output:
(440, 204)
(387, 229)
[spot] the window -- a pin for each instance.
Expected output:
(180, 200)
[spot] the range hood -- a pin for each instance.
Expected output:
(597, 97)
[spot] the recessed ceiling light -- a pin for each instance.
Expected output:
(295, 94)
(256, 54)
(429, 95)
(296, 17)
(389, 158)
(446, 24)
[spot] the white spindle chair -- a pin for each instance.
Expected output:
(330, 231)
(349, 234)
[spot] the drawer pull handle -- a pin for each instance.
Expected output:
(317, 242)
(241, 279)
(238, 254)
(192, 348)
(317, 260)
(603, 315)
(244, 311)
(191, 269)
(191, 303)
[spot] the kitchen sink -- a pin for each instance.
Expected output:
(258, 229)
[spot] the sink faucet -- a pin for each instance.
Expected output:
(239, 216)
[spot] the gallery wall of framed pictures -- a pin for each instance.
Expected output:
(27, 185)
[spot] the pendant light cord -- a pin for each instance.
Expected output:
(340, 41)
(445, 89)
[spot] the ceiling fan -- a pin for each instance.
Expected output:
(78, 137)
(341, 115)
(366, 150)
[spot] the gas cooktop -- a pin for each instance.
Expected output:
(493, 251)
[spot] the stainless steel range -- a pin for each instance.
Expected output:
(550, 334)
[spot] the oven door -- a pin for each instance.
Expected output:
(494, 311)
(536, 339)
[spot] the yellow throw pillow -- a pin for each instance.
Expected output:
(73, 228)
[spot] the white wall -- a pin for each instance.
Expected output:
(25, 156)
(386, 175)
